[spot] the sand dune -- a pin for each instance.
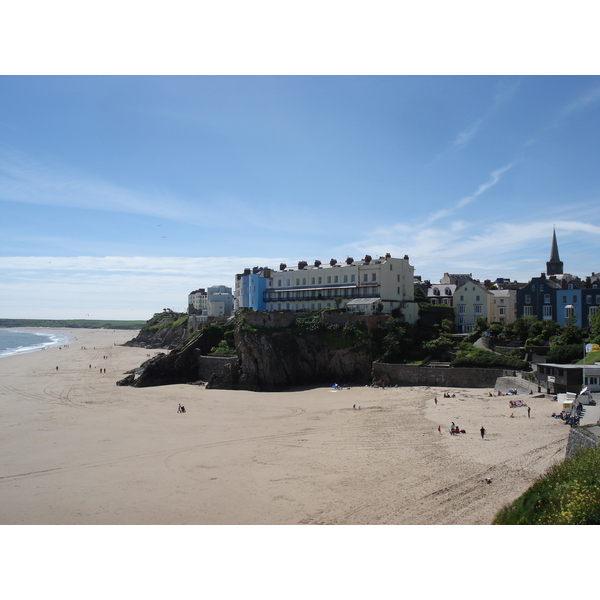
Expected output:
(77, 449)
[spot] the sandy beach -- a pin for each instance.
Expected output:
(77, 449)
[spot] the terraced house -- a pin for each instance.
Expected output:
(365, 286)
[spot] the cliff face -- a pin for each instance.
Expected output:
(268, 358)
(279, 359)
(164, 330)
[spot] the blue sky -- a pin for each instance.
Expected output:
(121, 194)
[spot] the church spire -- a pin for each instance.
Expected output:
(554, 266)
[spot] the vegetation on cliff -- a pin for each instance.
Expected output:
(569, 494)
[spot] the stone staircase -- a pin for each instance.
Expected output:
(503, 384)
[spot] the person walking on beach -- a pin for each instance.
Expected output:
(452, 427)
(529, 412)
(435, 399)
(440, 429)
(482, 430)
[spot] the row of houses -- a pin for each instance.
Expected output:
(385, 284)
(215, 301)
(366, 286)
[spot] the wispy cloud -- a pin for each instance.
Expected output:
(484, 187)
(26, 180)
(583, 101)
(504, 93)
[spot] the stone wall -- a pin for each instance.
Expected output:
(410, 375)
(581, 438)
(281, 320)
(209, 366)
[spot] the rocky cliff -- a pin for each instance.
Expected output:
(268, 358)
(275, 360)
(165, 330)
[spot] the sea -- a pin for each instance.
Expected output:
(19, 342)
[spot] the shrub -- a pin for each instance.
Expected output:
(569, 494)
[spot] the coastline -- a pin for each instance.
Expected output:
(62, 337)
(78, 449)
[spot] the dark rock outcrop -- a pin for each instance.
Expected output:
(279, 359)
(165, 330)
(269, 358)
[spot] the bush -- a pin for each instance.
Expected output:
(484, 359)
(569, 494)
(565, 355)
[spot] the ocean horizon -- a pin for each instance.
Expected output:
(13, 341)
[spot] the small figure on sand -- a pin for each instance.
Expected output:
(181, 409)
(529, 412)
(440, 429)
(482, 430)
(57, 368)
(452, 428)
(435, 399)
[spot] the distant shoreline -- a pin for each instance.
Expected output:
(71, 323)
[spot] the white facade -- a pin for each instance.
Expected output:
(198, 299)
(334, 285)
(471, 302)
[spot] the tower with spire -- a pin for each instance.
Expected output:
(554, 266)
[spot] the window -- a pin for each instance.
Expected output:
(320, 280)
(365, 277)
(445, 301)
(297, 281)
(593, 310)
(597, 299)
(541, 288)
(436, 292)
(569, 312)
(478, 310)
(462, 298)
(528, 299)
(533, 288)
(352, 278)
(477, 299)
(374, 277)
(279, 283)
(564, 298)
(588, 299)
(574, 299)
(345, 278)
(335, 279)
(546, 298)
(448, 292)
(502, 311)
(528, 310)
(312, 281)
(304, 281)
(547, 312)
(462, 309)
(328, 278)
(570, 286)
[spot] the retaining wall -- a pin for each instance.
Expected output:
(213, 365)
(581, 438)
(410, 375)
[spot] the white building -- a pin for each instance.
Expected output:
(471, 302)
(334, 285)
(198, 300)
(216, 301)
